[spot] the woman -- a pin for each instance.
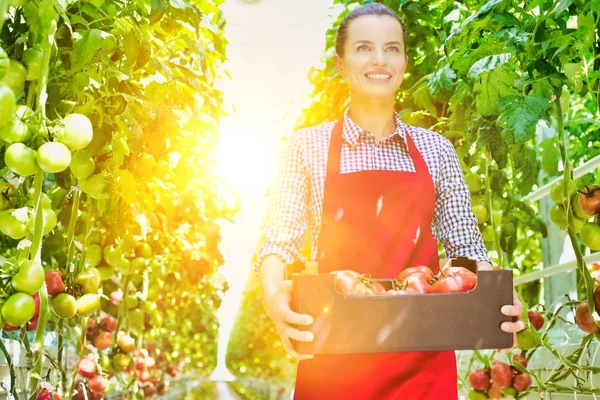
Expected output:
(367, 189)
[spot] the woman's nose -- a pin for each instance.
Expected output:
(379, 57)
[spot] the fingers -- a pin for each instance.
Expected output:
(289, 348)
(513, 327)
(293, 333)
(512, 311)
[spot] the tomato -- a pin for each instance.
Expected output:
(409, 271)
(4, 63)
(11, 226)
(96, 186)
(590, 235)
(86, 367)
(49, 221)
(557, 191)
(587, 202)
(116, 297)
(8, 196)
(89, 280)
(82, 164)
(106, 272)
(369, 289)
(54, 282)
(44, 394)
(480, 379)
(146, 163)
(8, 103)
(584, 320)
(88, 304)
(15, 77)
(536, 319)
(112, 255)
(473, 182)
(400, 292)
(481, 212)
(103, 341)
(30, 277)
(521, 359)
(21, 159)
(109, 324)
(120, 361)
(494, 393)
(94, 255)
(473, 394)
(126, 343)
(53, 157)
(16, 129)
(143, 249)
(346, 281)
(18, 309)
(558, 216)
(522, 382)
(64, 305)
(454, 280)
(77, 132)
(502, 375)
(418, 281)
(98, 384)
(487, 234)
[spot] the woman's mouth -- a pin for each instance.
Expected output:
(376, 77)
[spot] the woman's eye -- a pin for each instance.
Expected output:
(394, 48)
(363, 47)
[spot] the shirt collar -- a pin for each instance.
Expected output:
(352, 131)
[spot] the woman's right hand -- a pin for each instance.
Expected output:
(276, 301)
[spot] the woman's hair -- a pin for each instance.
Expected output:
(367, 9)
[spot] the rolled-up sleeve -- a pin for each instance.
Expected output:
(286, 219)
(457, 225)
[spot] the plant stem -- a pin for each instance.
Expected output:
(11, 367)
(60, 351)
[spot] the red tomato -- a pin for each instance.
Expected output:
(108, 324)
(54, 282)
(409, 271)
(454, 280)
(346, 281)
(418, 281)
(86, 367)
(97, 384)
(400, 292)
(369, 289)
(103, 341)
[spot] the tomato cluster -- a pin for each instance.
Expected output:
(499, 380)
(585, 205)
(64, 303)
(22, 306)
(413, 280)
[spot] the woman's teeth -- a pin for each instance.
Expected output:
(381, 77)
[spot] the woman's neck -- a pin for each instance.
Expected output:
(375, 118)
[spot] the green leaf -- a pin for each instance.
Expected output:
(86, 47)
(159, 7)
(487, 64)
(562, 6)
(526, 166)
(550, 157)
(520, 114)
(576, 74)
(494, 141)
(424, 100)
(489, 87)
(441, 84)
(487, 7)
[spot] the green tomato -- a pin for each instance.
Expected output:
(64, 305)
(53, 157)
(476, 395)
(112, 255)
(77, 132)
(21, 159)
(143, 249)
(93, 255)
(136, 318)
(96, 186)
(18, 309)
(15, 77)
(4, 63)
(49, 221)
(526, 340)
(32, 58)
(558, 216)
(82, 165)
(17, 130)
(88, 304)
(557, 191)
(590, 236)
(473, 182)
(8, 104)
(8, 196)
(106, 272)
(488, 233)
(481, 213)
(124, 267)
(139, 264)
(89, 280)
(30, 278)
(11, 226)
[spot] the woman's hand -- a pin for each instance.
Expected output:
(513, 310)
(277, 305)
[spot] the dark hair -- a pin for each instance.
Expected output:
(367, 9)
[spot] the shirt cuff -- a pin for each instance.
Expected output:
(285, 255)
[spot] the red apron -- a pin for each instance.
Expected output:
(379, 223)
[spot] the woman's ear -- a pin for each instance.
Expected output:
(339, 65)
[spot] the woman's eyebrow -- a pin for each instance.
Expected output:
(369, 42)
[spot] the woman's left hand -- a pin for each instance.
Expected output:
(513, 310)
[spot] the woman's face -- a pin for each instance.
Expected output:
(374, 57)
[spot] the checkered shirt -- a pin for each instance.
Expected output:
(296, 200)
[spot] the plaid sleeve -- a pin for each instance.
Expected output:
(286, 218)
(457, 225)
